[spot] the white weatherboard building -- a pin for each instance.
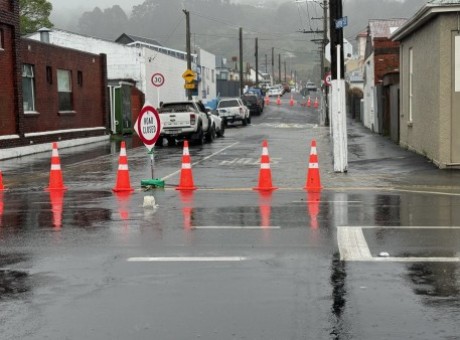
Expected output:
(139, 62)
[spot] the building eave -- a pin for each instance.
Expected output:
(424, 15)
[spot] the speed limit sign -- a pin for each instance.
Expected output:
(158, 79)
(328, 78)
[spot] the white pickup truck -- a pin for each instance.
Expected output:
(186, 120)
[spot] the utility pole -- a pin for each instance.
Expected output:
(285, 79)
(273, 65)
(323, 71)
(188, 47)
(257, 62)
(241, 61)
(266, 64)
(338, 99)
(335, 10)
(279, 67)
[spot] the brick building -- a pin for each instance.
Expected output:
(47, 93)
(381, 57)
(10, 86)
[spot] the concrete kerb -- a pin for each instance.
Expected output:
(46, 147)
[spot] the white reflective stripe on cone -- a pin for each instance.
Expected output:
(54, 153)
(123, 152)
(186, 152)
(265, 165)
(186, 166)
(55, 167)
(313, 165)
(123, 167)
(313, 151)
(264, 152)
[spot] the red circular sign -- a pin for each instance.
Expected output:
(328, 78)
(157, 79)
(148, 125)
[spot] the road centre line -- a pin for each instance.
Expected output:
(353, 246)
(202, 160)
(236, 227)
(188, 259)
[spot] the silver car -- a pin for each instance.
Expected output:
(233, 110)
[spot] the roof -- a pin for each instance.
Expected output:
(384, 28)
(130, 38)
(425, 14)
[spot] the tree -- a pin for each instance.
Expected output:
(34, 14)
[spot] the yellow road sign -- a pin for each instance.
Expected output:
(188, 76)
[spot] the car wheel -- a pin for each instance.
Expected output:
(171, 141)
(211, 135)
(159, 142)
(200, 136)
(221, 132)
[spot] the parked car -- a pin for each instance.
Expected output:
(311, 86)
(253, 103)
(275, 91)
(260, 95)
(232, 110)
(186, 120)
(218, 122)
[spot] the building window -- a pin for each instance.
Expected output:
(80, 78)
(411, 83)
(64, 83)
(2, 39)
(28, 88)
(49, 75)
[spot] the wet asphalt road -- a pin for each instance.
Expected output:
(373, 256)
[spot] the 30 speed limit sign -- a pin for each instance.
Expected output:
(158, 79)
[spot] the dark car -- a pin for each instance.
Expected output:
(252, 102)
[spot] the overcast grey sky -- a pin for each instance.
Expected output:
(59, 5)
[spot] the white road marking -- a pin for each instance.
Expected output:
(353, 246)
(202, 160)
(236, 227)
(187, 259)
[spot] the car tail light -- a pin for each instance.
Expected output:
(192, 119)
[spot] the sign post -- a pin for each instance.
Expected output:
(148, 128)
(158, 80)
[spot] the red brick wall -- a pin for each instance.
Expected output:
(7, 84)
(386, 57)
(9, 65)
(89, 102)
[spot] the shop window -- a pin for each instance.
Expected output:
(64, 84)
(28, 88)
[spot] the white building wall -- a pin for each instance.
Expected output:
(208, 87)
(369, 93)
(172, 70)
(123, 62)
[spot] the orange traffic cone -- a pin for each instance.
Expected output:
(316, 104)
(1, 207)
(56, 182)
(313, 180)
(123, 183)
(186, 178)
(278, 101)
(267, 100)
(291, 102)
(1, 182)
(265, 173)
(309, 102)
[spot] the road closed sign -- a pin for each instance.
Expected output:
(148, 126)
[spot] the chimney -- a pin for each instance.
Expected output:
(44, 35)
